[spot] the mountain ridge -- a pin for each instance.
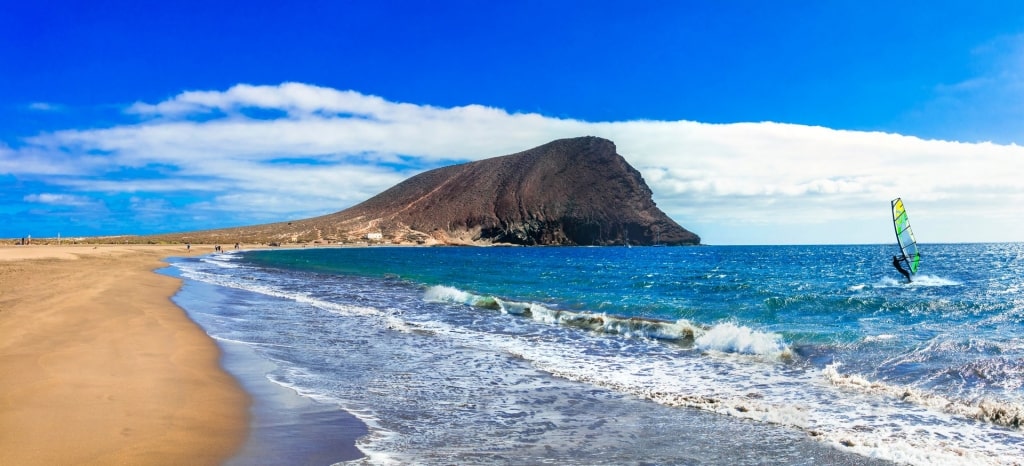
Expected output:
(576, 191)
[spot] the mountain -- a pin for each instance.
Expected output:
(575, 191)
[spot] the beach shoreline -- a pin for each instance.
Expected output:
(101, 367)
(378, 348)
(284, 426)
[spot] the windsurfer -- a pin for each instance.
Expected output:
(896, 263)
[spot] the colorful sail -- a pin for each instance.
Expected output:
(905, 236)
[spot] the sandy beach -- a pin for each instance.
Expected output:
(98, 366)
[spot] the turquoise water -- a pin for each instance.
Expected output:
(823, 346)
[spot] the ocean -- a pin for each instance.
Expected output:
(636, 355)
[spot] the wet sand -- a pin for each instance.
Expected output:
(98, 365)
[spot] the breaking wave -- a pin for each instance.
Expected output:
(731, 338)
(1002, 413)
(723, 338)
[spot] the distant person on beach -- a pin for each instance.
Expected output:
(896, 263)
(188, 247)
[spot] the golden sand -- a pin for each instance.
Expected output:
(98, 366)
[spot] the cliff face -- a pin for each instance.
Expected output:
(567, 192)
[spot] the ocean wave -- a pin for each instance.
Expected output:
(246, 284)
(744, 407)
(724, 338)
(1002, 372)
(249, 343)
(998, 412)
(752, 395)
(919, 281)
(448, 294)
(220, 260)
(731, 338)
(932, 280)
(880, 337)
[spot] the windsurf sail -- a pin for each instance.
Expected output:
(905, 236)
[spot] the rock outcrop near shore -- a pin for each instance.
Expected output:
(567, 192)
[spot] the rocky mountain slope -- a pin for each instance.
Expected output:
(567, 192)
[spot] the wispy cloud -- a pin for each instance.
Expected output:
(59, 199)
(45, 107)
(992, 97)
(295, 149)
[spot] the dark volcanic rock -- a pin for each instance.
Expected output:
(568, 192)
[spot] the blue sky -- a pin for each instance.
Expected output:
(753, 122)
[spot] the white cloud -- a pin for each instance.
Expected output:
(47, 161)
(44, 107)
(774, 182)
(59, 199)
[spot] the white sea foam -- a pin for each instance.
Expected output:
(932, 280)
(888, 282)
(920, 280)
(871, 427)
(875, 427)
(882, 337)
(731, 338)
(220, 260)
(632, 327)
(519, 309)
(997, 412)
(271, 290)
(448, 294)
(249, 343)
(725, 338)
(848, 411)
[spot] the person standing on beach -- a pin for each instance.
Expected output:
(188, 247)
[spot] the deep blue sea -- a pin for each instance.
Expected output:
(642, 355)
